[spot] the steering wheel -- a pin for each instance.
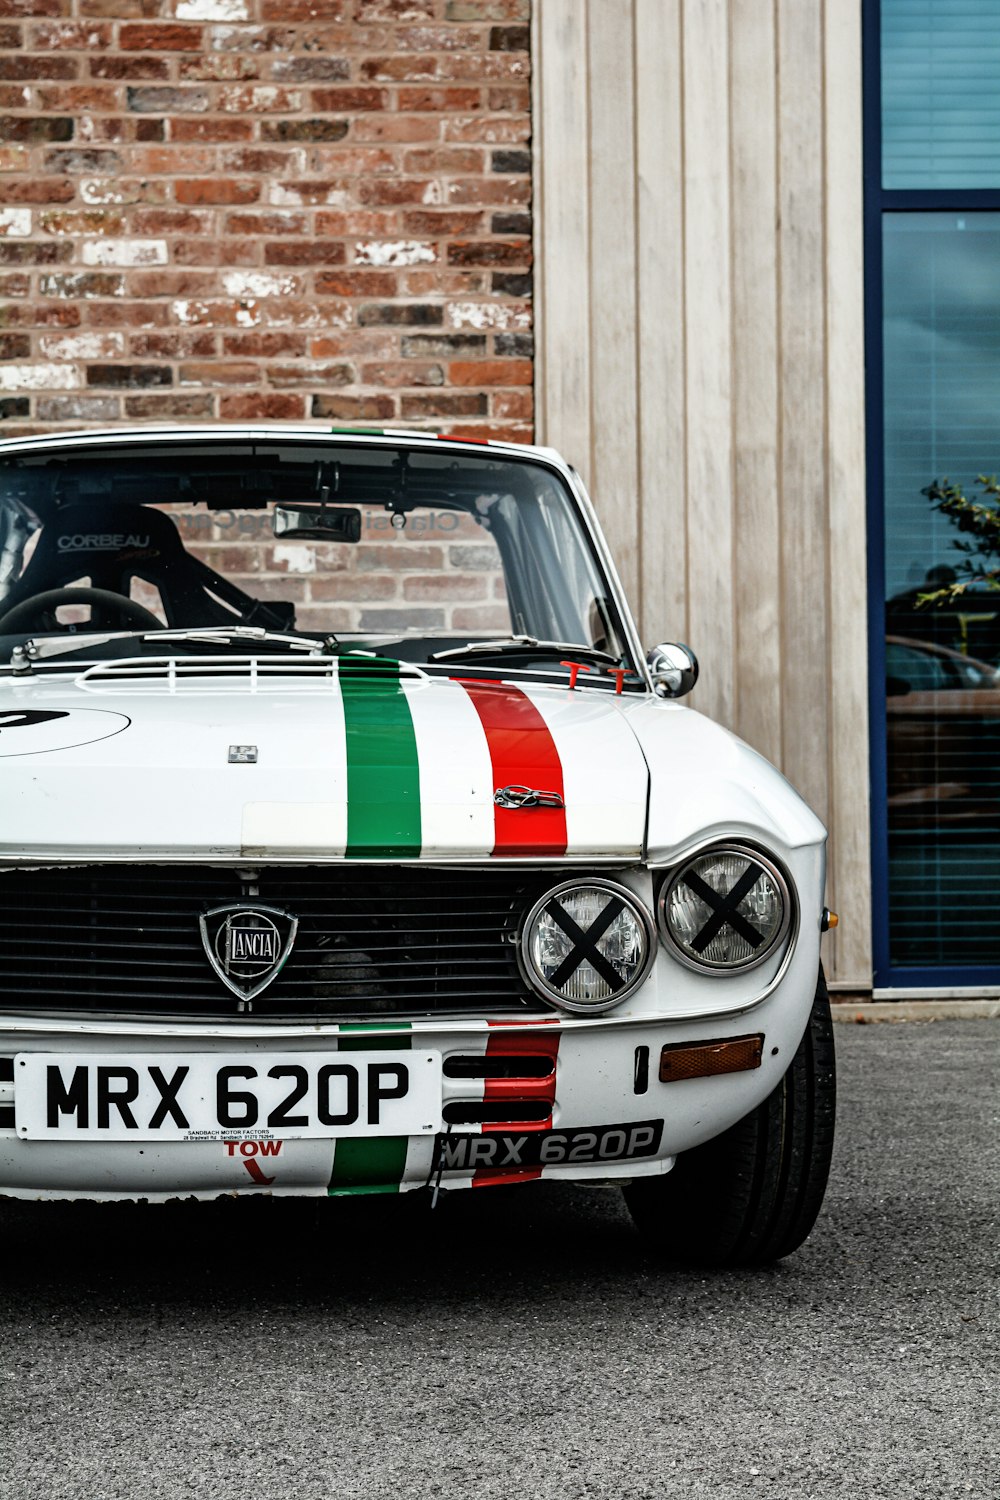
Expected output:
(42, 608)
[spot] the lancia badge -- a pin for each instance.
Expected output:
(247, 945)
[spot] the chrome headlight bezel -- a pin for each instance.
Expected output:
(753, 855)
(540, 984)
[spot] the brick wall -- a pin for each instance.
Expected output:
(265, 209)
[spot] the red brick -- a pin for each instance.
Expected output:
(219, 372)
(444, 587)
(490, 253)
(38, 314)
(69, 36)
(15, 346)
(495, 67)
(216, 190)
(511, 405)
(173, 345)
(87, 221)
(39, 190)
(160, 37)
(32, 68)
(32, 129)
(439, 100)
(353, 408)
(491, 190)
(159, 221)
(226, 67)
(135, 69)
(359, 345)
(193, 129)
(121, 10)
(486, 128)
(264, 345)
(171, 159)
(393, 190)
(445, 404)
(393, 10)
(166, 283)
(322, 375)
(355, 283)
(78, 408)
(406, 69)
(437, 222)
(515, 97)
(162, 407)
(354, 586)
(35, 8)
(257, 159)
(304, 253)
(256, 99)
(355, 222)
(289, 11)
(267, 223)
(127, 314)
(487, 10)
(487, 616)
(487, 372)
(18, 284)
(262, 407)
(447, 160)
(393, 127)
(403, 373)
(348, 100)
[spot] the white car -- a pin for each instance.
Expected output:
(351, 843)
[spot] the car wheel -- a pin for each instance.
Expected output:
(752, 1194)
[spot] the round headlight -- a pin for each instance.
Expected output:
(587, 944)
(726, 909)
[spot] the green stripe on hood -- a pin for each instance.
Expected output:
(383, 775)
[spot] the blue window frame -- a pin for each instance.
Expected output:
(932, 310)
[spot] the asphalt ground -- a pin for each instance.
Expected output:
(519, 1342)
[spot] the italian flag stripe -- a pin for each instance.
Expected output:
(522, 753)
(518, 1044)
(375, 1164)
(383, 774)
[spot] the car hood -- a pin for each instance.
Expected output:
(317, 760)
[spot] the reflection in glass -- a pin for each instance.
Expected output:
(940, 104)
(942, 419)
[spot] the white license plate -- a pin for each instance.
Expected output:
(192, 1096)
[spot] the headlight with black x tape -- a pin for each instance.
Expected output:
(727, 909)
(587, 944)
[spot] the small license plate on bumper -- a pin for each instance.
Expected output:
(216, 1096)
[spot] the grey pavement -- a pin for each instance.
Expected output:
(520, 1343)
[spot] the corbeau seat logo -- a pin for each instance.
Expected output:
(247, 946)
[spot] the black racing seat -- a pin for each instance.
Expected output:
(114, 542)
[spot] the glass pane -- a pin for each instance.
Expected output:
(940, 102)
(942, 420)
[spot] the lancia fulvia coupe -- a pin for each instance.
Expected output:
(351, 842)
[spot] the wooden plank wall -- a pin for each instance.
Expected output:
(700, 360)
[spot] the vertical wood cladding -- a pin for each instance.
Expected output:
(265, 209)
(700, 359)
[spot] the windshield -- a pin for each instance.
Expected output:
(404, 551)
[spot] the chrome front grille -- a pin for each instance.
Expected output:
(371, 941)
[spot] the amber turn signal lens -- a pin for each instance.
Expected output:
(736, 1054)
(830, 919)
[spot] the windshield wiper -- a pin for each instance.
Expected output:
(216, 635)
(227, 635)
(525, 645)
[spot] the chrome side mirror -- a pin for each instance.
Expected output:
(673, 668)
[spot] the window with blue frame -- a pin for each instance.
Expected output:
(933, 269)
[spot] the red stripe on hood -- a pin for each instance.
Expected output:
(522, 753)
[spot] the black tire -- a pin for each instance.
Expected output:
(752, 1194)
